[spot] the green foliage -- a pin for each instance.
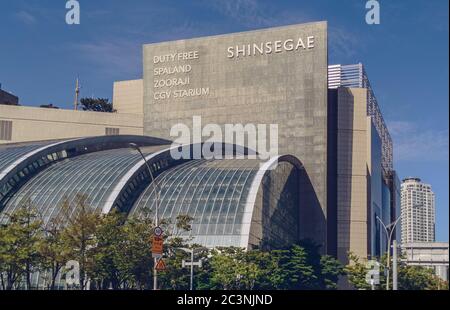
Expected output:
(96, 104)
(419, 278)
(231, 269)
(298, 267)
(115, 252)
(19, 247)
(409, 277)
(79, 236)
(331, 270)
(54, 252)
(48, 106)
(356, 272)
(175, 277)
(108, 264)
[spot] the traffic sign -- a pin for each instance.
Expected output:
(158, 231)
(160, 265)
(157, 245)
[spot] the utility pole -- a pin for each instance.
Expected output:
(191, 263)
(394, 266)
(77, 93)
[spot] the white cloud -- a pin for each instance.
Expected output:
(26, 18)
(412, 143)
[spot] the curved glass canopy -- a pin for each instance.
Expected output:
(9, 154)
(212, 192)
(93, 175)
(236, 201)
(232, 201)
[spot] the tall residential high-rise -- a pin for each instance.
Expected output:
(418, 211)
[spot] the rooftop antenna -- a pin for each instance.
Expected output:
(77, 93)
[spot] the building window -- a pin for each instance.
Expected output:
(111, 131)
(6, 130)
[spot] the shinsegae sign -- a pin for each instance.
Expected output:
(269, 47)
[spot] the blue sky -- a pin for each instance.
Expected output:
(406, 57)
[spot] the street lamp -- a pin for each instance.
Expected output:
(134, 146)
(192, 263)
(389, 230)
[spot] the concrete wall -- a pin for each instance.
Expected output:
(32, 124)
(287, 88)
(128, 97)
(433, 255)
(352, 173)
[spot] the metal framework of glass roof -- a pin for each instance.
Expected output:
(212, 192)
(223, 196)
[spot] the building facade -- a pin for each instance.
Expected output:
(432, 255)
(25, 124)
(367, 186)
(418, 211)
(270, 76)
(8, 98)
(327, 119)
(355, 76)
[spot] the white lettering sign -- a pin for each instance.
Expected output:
(264, 48)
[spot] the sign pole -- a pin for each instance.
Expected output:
(154, 183)
(192, 270)
(394, 267)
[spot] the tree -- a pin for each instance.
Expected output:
(19, 242)
(419, 278)
(48, 106)
(297, 267)
(108, 267)
(266, 264)
(409, 277)
(97, 105)
(136, 257)
(293, 271)
(356, 272)
(53, 250)
(225, 268)
(79, 236)
(175, 277)
(331, 270)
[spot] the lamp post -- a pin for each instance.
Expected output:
(389, 230)
(134, 146)
(192, 263)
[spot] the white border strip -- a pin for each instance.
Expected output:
(28, 155)
(251, 199)
(125, 179)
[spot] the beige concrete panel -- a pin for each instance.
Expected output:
(128, 96)
(32, 124)
(352, 108)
